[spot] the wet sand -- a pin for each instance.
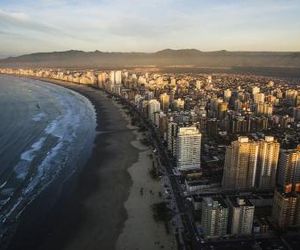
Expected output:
(90, 212)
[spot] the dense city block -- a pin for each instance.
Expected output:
(228, 147)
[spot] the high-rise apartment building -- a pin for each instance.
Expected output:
(222, 110)
(115, 80)
(118, 77)
(227, 95)
(268, 155)
(164, 102)
(259, 98)
(102, 76)
(255, 90)
(112, 77)
(286, 202)
(240, 164)
(264, 108)
(214, 218)
(241, 215)
(172, 135)
(250, 164)
(286, 209)
(188, 148)
(115, 77)
(153, 107)
(288, 177)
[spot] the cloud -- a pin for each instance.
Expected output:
(13, 16)
(21, 21)
(24, 25)
(145, 25)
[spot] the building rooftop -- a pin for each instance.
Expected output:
(240, 201)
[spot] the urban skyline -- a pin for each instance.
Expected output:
(224, 147)
(149, 124)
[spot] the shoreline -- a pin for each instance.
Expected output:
(102, 189)
(46, 147)
(90, 211)
(140, 230)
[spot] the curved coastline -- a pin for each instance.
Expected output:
(42, 149)
(91, 206)
(137, 229)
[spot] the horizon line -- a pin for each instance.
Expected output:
(148, 52)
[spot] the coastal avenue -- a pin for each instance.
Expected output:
(192, 240)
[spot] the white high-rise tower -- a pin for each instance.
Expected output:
(188, 148)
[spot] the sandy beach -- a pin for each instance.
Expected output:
(101, 207)
(141, 231)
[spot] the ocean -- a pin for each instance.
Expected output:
(46, 134)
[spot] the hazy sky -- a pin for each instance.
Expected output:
(148, 25)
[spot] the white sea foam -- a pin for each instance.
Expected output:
(13, 208)
(38, 117)
(21, 169)
(43, 169)
(73, 127)
(29, 154)
(3, 184)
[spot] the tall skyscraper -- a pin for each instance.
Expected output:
(240, 164)
(227, 95)
(222, 110)
(286, 202)
(188, 148)
(288, 177)
(263, 108)
(164, 102)
(259, 98)
(250, 164)
(172, 135)
(209, 79)
(102, 76)
(112, 77)
(268, 155)
(115, 80)
(118, 77)
(255, 90)
(214, 218)
(241, 215)
(153, 107)
(286, 209)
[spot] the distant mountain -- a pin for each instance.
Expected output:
(163, 58)
(181, 52)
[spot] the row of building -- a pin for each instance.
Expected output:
(251, 164)
(230, 216)
(188, 110)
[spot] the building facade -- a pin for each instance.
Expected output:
(268, 156)
(286, 209)
(240, 164)
(241, 216)
(153, 107)
(251, 164)
(214, 217)
(188, 148)
(288, 177)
